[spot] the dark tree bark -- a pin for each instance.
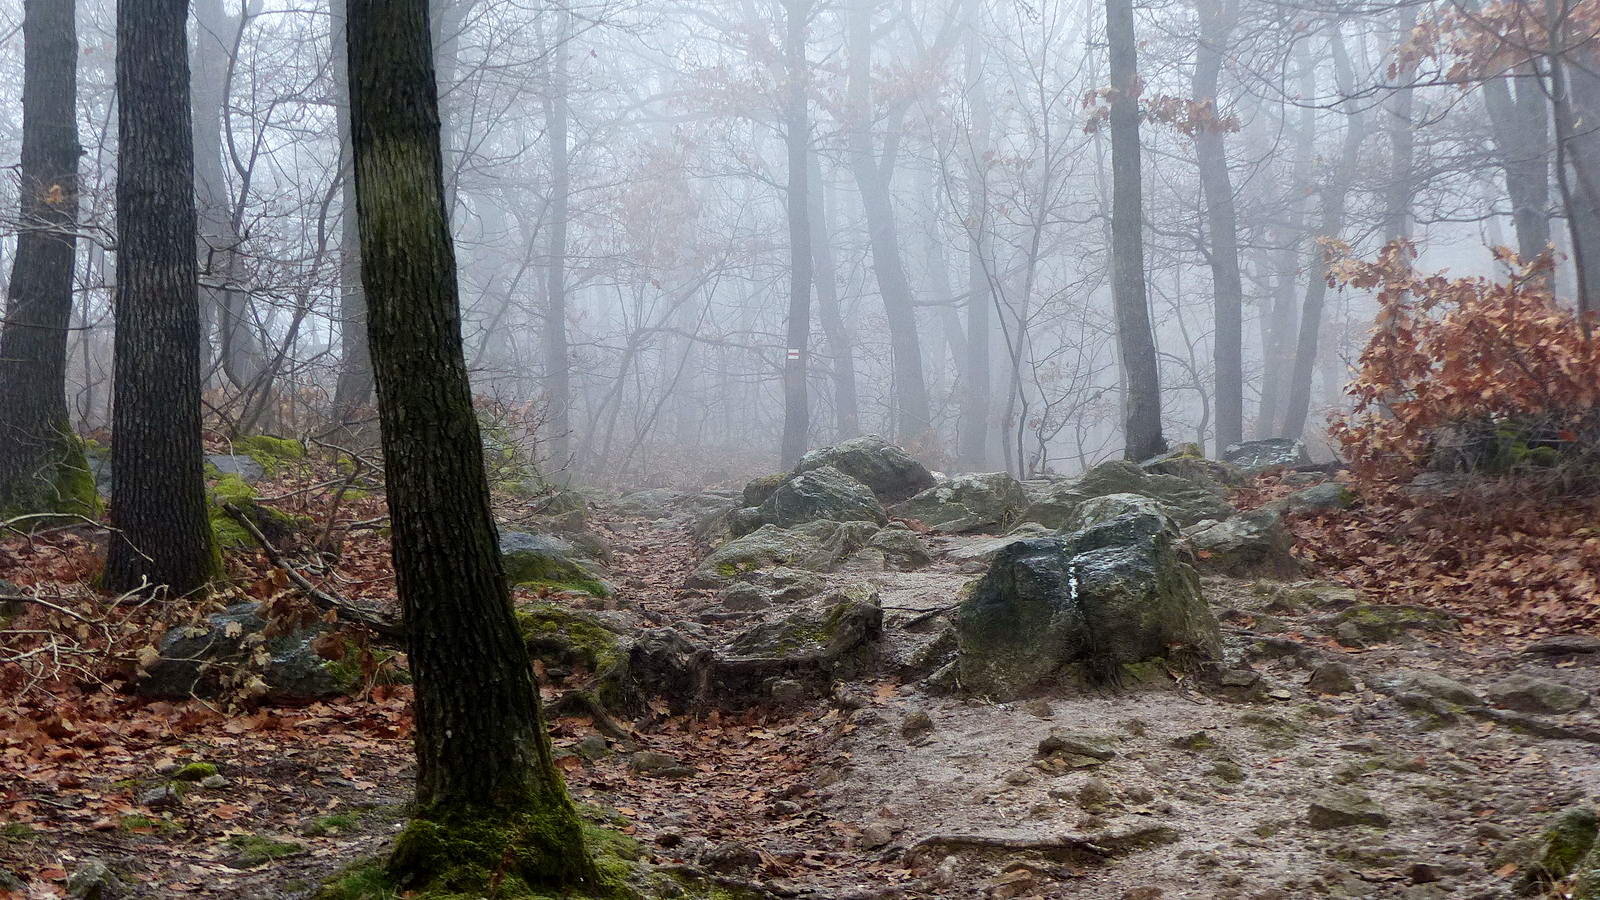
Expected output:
(1142, 430)
(558, 376)
(353, 392)
(873, 174)
(797, 137)
(158, 497)
(1216, 24)
(1334, 194)
(1522, 141)
(846, 406)
(41, 463)
(490, 803)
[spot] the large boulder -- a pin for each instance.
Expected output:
(986, 501)
(1091, 607)
(823, 493)
(815, 546)
(801, 654)
(209, 659)
(1188, 500)
(1189, 462)
(547, 561)
(1252, 457)
(890, 472)
(1250, 543)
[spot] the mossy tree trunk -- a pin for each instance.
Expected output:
(41, 465)
(158, 495)
(490, 804)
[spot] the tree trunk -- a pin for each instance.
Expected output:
(1142, 430)
(158, 497)
(1334, 194)
(847, 408)
(1522, 139)
(1402, 143)
(1278, 349)
(977, 388)
(353, 392)
(491, 806)
(216, 41)
(913, 416)
(558, 376)
(41, 464)
(1227, 286)
(797, 123)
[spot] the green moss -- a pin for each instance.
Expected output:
(254, 850)
(1566, 843)
(16, 833)
(538, 568)
(62, 483)
(568, 637)
(160, 826)
(519, 853)
(338, 823)
(195, 771)
(271, 453)
(350, 676)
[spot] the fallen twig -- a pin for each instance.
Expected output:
(318, 596)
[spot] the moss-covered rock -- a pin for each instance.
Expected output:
(61, 481)
(547, 561)
(815, 546)
(251, 850)
(273, 454)
(566, 637)
(818, 494)
(1245, 544)
(1187, 501)
(203, 659)
(984, 501)
(274, 524)
(1379, 622)
(757, 490)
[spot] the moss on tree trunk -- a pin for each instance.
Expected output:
(493, 816)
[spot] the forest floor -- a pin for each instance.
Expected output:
(1209, 793)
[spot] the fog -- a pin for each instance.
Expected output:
(681, 225)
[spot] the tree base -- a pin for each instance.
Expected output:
(494, 853)
(59, 482)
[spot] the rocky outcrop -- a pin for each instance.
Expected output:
(1247, 544)
(1187, 499)
(824, 493)
(814, 546)
(544, 560)
(888, 471)
(1252, 457)
(209, 658)
(1092, 607)
(987, 501)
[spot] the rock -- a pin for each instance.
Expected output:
(823, 493)
(237, 464)
(1376, 622)
(214, 782)
(742, 596)
(1188, 501)
(1252, 457)
(1226, 771)
(1039, 708)
(1345, 808)
(94, 880)
(916, 725)
(1564, 645)
(568, 638)
(987, 501)
(549, 561)
(1089, 745)
(1331, 678)
(888, 471)
(1115, 596)
(1525, 693)
(1247, 544)
(1095, 792)
(901, 547)
(1565, 844)
(1317, 498)
(984, 549)
(787, 691)
(812, 647)
(160, 797)
(730, 856)
(1429, 684)
(194, 658)
(757, 490)
(874, 836)
(1103, 509)
(1188, 461)
(815, 546)
(1195, 740)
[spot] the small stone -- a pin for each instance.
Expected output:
(1280, 694)
(1039, 707)
(213, 782)
(874, 836)
(162, 797)
(592, 747)
(917, 725)
(669, 839)
(1564, 645)
(1423, 873)
(730, 856)
(1525, 693)
(1345, 809)
(1239, 678)
(1094, 792)
(94, 880)
(1227, 772)
(1019, 778)
(1093, 746)
(786, 691)
(1331, 678)
(647, 762)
